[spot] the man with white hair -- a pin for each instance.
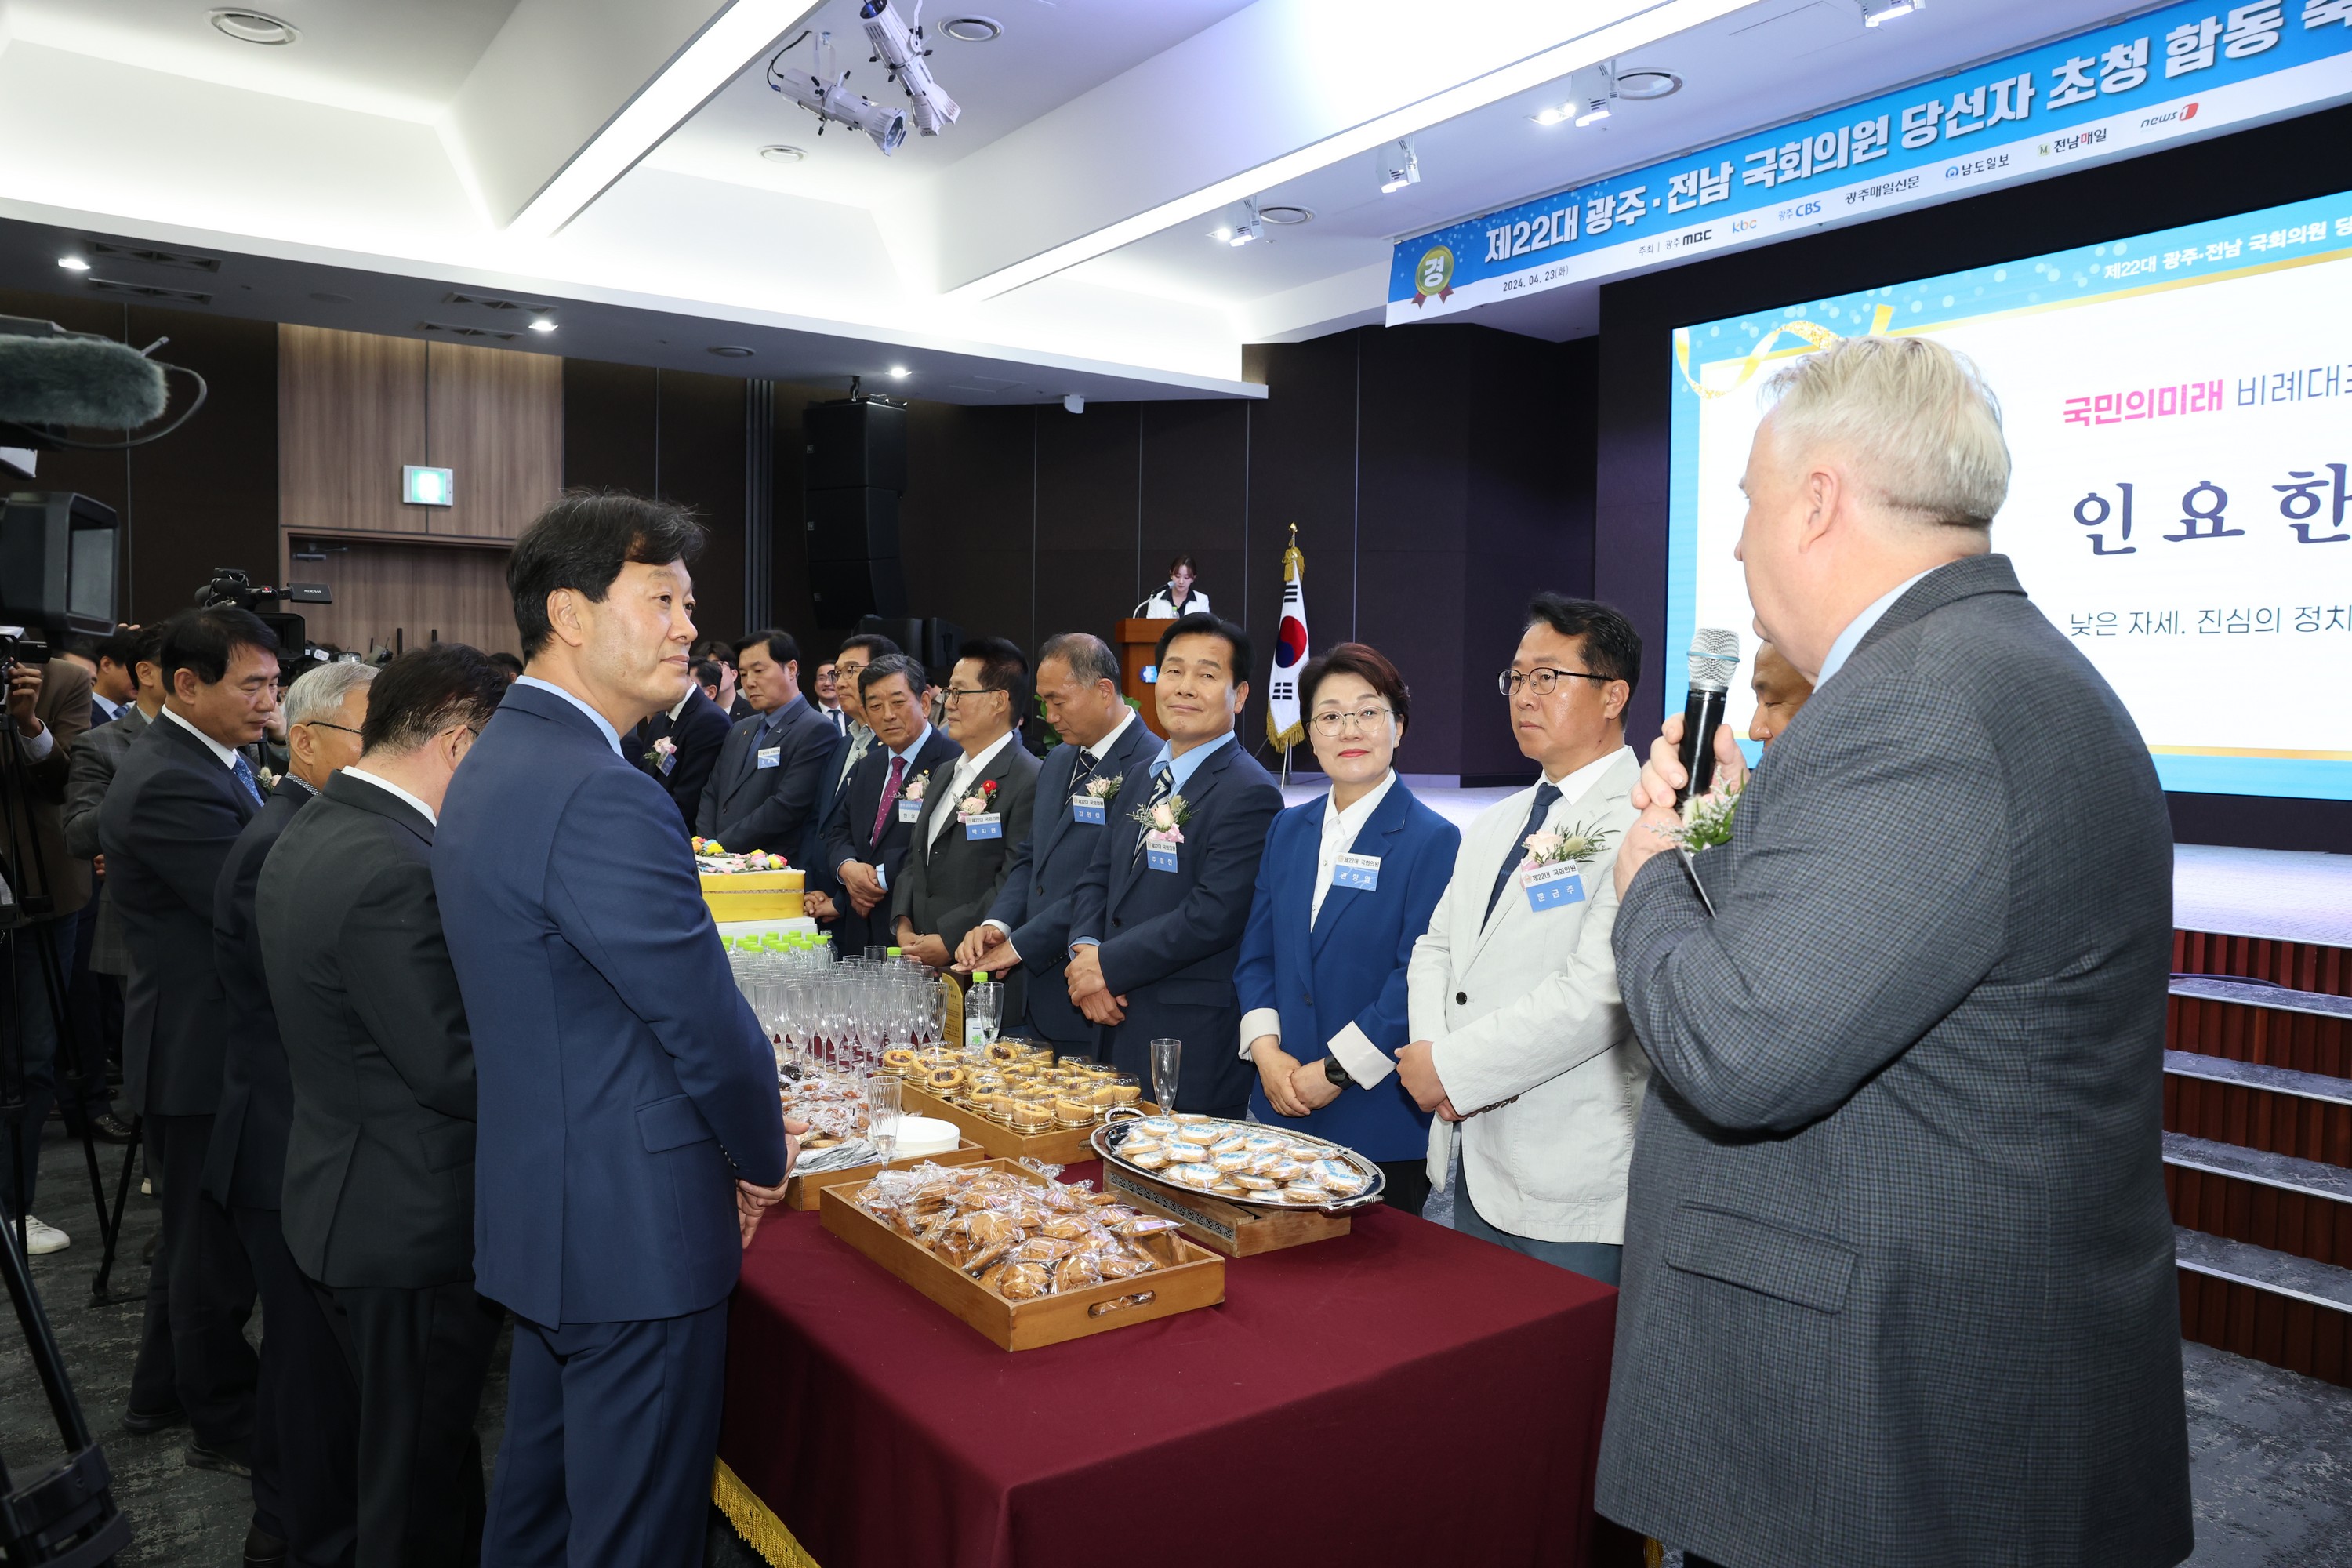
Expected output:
(1898, 1272)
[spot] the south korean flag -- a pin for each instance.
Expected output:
(1283, 725)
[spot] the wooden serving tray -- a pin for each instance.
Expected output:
(1233, 1229)
(1061, 1146)
(1196, 1280)
(807, 1191)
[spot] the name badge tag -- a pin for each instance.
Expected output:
(1085, 808)
(910, 810)
(1549, 886)
(988, 824)
(668, 762)
(1361, 872)
(770, 756)
(1160, 857)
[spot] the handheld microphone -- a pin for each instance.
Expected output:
(1713, 656)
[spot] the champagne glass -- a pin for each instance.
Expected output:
(884, 1109)
(1167, 1055)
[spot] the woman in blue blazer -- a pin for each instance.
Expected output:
(1346, 888)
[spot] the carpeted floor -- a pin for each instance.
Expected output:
(2272, 1452)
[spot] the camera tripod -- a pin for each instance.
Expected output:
(66, 1515)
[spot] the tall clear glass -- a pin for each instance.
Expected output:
(885, 1107)
(1167, 1059)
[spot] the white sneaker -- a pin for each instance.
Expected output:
(40, 1239)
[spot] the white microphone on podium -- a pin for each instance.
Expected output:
(1714, 658)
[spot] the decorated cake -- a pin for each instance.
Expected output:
(747, 886)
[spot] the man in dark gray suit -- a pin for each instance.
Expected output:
(180, 798)
(1103, 740)
(1898, 1275)
(304, 1460)
(763, 792)
(971, 819)
(379, 1193)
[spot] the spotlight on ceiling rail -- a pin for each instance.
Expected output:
(1400, 167)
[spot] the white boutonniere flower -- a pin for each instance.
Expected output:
(916, 785)
(1104, 788)
(1569, 846)
(978, 802)
(1707, 819)
(267, 780)
(1164, 822)
(662, 749)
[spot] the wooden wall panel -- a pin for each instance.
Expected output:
(2298, 966)
(2267, 1037)
(2297, 1335)
(2258, 1119)
(495, 418)
(404, 592)
(350, 411)
(2304, 1224)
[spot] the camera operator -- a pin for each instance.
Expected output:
(48, 710)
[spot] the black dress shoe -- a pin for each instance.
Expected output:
(110, 1129)
(200, 1458)
(262, 1549)
(141, 1422)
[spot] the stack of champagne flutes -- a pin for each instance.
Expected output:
(829, 1021)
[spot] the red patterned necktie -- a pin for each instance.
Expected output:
(890, 798)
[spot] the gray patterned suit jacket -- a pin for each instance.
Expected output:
(1898, 1279)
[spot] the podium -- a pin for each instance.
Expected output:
(1136, 638)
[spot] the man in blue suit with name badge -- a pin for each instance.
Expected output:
(1156, 921)
(1103, 741)
(630, 1135)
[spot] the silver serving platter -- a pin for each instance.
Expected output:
(1107, 1138)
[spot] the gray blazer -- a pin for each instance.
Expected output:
(94, 756)
(1898, 1278)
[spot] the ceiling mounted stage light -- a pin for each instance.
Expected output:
(254, 28)
(1400, 167)
(73, 264)
(1873, 12)
(899, 50)
(1590, 89)
(828, 96)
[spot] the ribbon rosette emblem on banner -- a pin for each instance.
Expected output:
(1433, 275)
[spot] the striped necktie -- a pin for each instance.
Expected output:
(1164, 785)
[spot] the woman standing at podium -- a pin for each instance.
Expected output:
(1346, 886)
(1179, 598)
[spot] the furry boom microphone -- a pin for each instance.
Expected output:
(51, 379)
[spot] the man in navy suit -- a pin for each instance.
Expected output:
(872, 828)
(1156, 918)
(1103, 741)
(824, 898)
(696, 728)
(629, 1135)
(764, 790)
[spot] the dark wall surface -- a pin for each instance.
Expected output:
(205, 495)
(2228, 175)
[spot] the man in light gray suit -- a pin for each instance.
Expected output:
(1898, 1273)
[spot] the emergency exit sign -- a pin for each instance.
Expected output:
(421, 486)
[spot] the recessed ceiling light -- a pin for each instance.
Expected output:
(255, 27)
(973, 29)
(1646, 83)
(543, 324)
(782, 153)
(326, 299)
(1285, 216)
(899, 373)
(73, 264)
(731, 350)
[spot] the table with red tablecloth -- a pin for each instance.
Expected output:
(1401, 1395)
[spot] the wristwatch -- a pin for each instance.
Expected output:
(1335, 1073)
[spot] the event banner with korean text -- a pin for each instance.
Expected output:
(2179, 410)
(2125, 88)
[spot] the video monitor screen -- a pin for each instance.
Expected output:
(2179, 410)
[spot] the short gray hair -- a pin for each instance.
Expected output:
(1916, 418)
(1089, 657)
(319, 690)
(888, 665)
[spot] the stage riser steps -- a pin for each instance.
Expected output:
(2227, 1102)
(2295, 1206)
(2274, 1032)
(2303, 966)
(2285, 1311)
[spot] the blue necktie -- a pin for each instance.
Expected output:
(245, 777)
(1545, 796)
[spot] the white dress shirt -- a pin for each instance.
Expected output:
(395, 790)
(228, 757)
(1365, 1062)
(967, 769)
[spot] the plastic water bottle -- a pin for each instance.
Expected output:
(983, 1010)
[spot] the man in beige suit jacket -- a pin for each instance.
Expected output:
(1519, 1036)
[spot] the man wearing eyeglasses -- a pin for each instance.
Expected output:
(1519, 1036)
(972, 823)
